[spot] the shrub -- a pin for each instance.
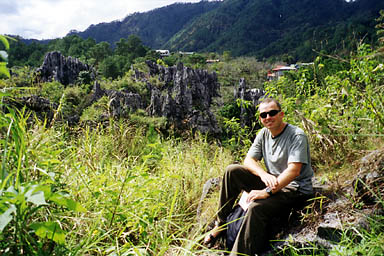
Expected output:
(96, 111)
(338, 110)
(74, 101)
(52, 91)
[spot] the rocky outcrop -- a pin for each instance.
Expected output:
(250, 98)
(369, 182)
(65, 70)
(43, 108)
(209, 186)
(120, 102)
(185, 97)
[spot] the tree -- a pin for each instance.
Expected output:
(132, 48)
(112, 66)
(99, 52)
(80, 48)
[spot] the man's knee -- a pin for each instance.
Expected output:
(233, 167)
(235, 173)
(255, 208)
(261, 210)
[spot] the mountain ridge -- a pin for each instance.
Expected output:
(262, 28)
(154, 27)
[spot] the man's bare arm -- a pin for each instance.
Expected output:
(283, 180)
(293, 170)
(255, 167)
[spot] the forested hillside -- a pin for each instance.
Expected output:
(154, 27)
(268, 28)
(281, 30)
(262, 28)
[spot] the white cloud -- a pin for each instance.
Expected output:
(47, 19)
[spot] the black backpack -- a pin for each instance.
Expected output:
(234, 220)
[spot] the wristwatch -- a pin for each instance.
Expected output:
(269, 191)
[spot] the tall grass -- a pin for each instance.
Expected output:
(134, 192)
(140, 190)
(29, 195)
(114, 189)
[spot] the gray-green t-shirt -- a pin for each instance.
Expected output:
(289, 146)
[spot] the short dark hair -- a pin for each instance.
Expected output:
(269, 100)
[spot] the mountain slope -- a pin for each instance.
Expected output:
(262, 28)
(154, 27)
(269, 27)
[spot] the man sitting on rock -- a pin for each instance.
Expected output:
(287, 181)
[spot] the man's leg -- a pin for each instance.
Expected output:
(236, 179)
(252, 237)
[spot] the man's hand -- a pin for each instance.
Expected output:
(269, 180)
(255, 167)
(257, 194)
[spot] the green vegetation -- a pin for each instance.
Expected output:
(155, 27)
(135, 191)
(286, 30)
(4, 57)
(282, 30)
(339, 108)
(122, 187)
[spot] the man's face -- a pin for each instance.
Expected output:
(271, 122)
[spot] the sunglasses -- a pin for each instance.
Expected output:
(270, 113)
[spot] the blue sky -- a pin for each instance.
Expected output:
(48, 19)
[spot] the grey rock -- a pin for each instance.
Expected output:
(209, 186)
(369, 183)
(120, 102)
(43, 108)
(185, 98)
(254, 96)
(65, 70)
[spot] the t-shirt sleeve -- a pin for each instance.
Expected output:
(298, 152)
(255, 151)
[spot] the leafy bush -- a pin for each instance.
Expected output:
(230, 110)
(29, 196)
(338, 110)
(4, 72)
(141, 118)
(52, 91)
(96, 111)
(74, 101)
(127, 83)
